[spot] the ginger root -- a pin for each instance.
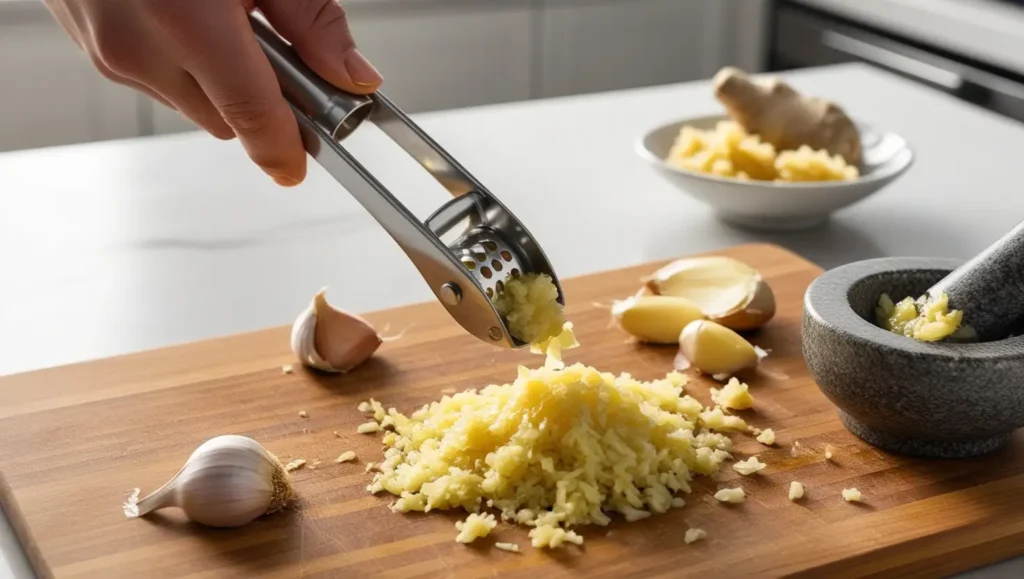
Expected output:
(783, 117)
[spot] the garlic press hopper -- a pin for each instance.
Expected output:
(467, 248)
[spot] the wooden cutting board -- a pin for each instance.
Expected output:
(76, 437)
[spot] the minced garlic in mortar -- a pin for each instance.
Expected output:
(557, 448)
(928, 318)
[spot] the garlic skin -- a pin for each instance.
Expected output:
(332, 340)
(727, 290)
(228, 481)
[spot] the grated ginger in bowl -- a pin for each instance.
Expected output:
(728, 150)
(557, 448)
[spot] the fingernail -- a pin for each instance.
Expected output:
(360, 70)
(285, 181)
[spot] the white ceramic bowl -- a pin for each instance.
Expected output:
(776, 206)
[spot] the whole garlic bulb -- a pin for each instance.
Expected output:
(228, 481)
(332, 340)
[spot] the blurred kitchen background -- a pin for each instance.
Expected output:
(442, 54)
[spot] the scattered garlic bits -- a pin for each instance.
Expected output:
(553, 537)
(766, 436)
(295, 465)
(828, 452)
(852, 495)
(796, 491)
(715, 419)
(303, 414)
(554, 449)
(735, 396)
(510, 547)
(694, 535)
(286, 369)
(529, 305)
(927, 319)
(346, 456)
(474, 527)
(734, 496)
(368, 427)
(749, 466)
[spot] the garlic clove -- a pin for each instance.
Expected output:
(330, 339)
(228, 481)
(655, 319)
(714, 349)
(726, 290)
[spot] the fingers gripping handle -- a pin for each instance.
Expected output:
(337, 111)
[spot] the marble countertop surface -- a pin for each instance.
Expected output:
(122, 246)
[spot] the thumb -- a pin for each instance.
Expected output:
(318, 29)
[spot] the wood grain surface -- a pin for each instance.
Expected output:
(75, 438)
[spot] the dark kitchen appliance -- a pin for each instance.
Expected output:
(804, 37)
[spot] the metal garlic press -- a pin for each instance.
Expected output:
(485, 242)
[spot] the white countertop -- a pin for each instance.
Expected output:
(122, 246)
(986, 30)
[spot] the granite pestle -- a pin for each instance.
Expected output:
(989, 288)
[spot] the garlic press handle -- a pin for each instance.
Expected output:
(341, 113)
(325, 116)
(421, 147)
(337, 111)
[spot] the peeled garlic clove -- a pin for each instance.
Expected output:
(228, 481)
(655, 319)
(728, 291)
(715, 349)
(330, 339)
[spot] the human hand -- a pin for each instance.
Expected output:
(201, 58)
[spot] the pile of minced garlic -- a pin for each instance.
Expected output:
(559, 447)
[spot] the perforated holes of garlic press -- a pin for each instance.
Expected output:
(490, 262)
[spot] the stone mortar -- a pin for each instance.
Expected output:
(935, 400)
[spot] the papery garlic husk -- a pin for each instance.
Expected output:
(330, 339)
(728, 291)
(715, 349)
(228, 481)
(655, 319)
